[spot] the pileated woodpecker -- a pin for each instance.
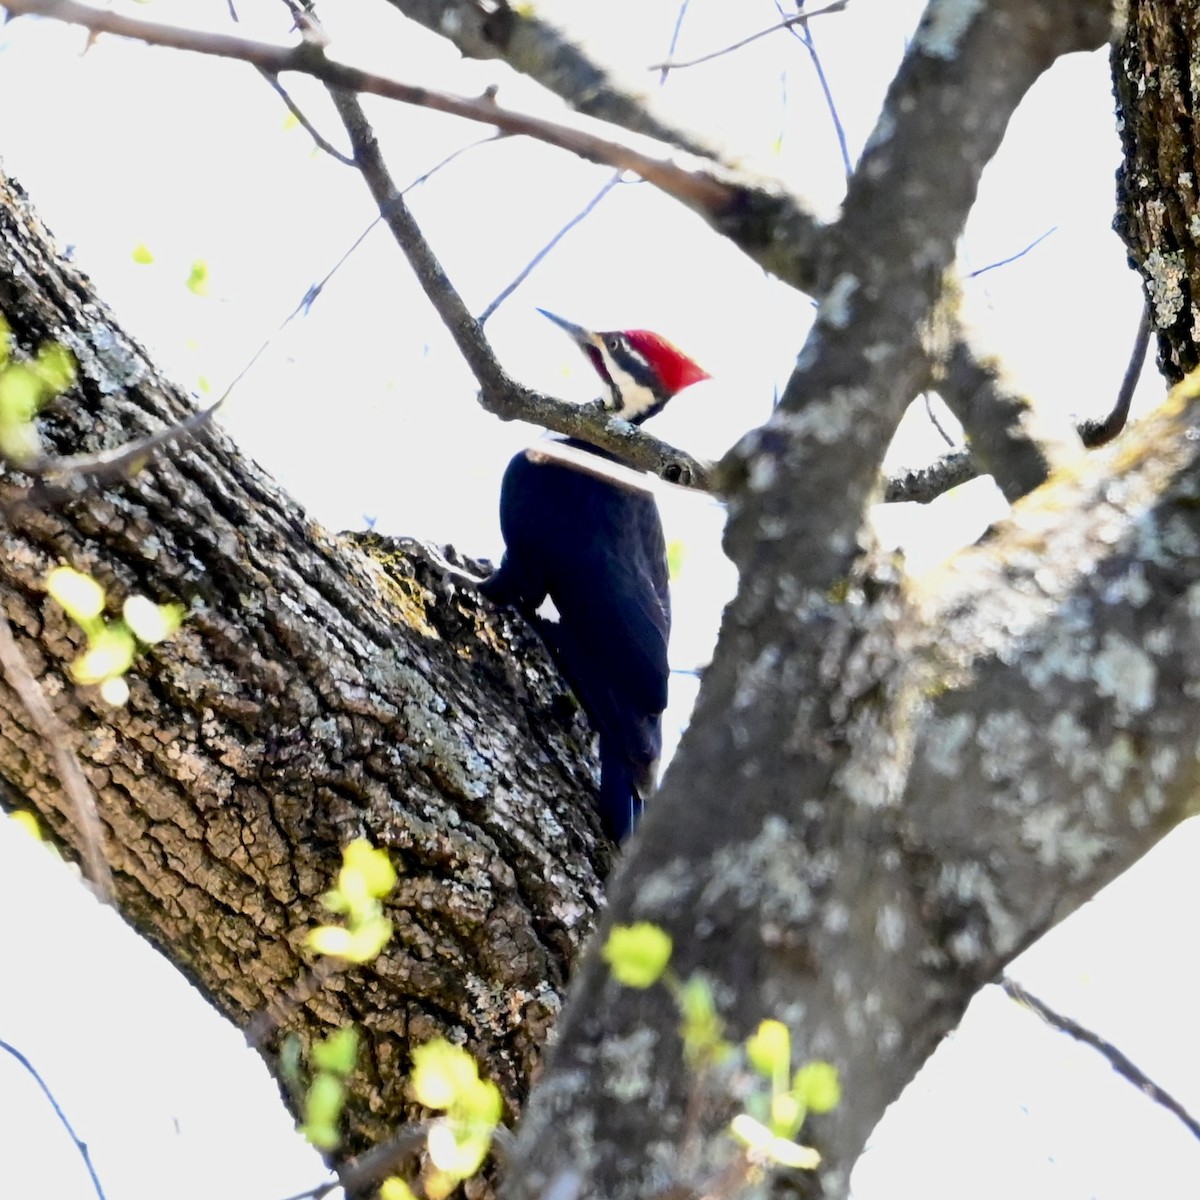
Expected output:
(596, 549)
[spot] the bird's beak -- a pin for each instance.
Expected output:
(577, 333)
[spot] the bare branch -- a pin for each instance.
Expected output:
(535, 47)
(1010, 438)
(57, 738)
(923, 484)
(499, 393)
(374, 1165)
(763, 217)
(80, 1144)
(1120, 1062)
(1012, 258)
(108, 466)
(957, 466)
(804, 35)
(306, 124)
(1097, 433)
(531, 265)
(587, 209)
(799, 19)
(933, 420)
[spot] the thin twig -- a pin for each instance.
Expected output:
(80, 1144)
(1098, 433)
(674, 44)
(933, 420)
(587, 209)
(1120, 1062)
(1012, 258)
(532, 264)
(798, 19)
(66, 765)
(308, 126)
(804, 35)
(107, 466)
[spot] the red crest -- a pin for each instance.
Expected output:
(672, 366)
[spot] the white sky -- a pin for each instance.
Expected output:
(363, 410)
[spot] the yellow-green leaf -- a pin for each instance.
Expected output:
(325, 1099)
(19, 441)
(787, 1114)
(329, 939)
(21, 394)
(367, 939)
(481, 1104)
(374, 871)
(439, 1184)
(637, 954)
(442, 1072)
(197, 280)
(151, 623)
(443, 1148)
(142, 255)
(110, 652)
(28, 822)
(55, 368)
(702, 1029)
(818, 1086)
(338, 1052)
(769, 1049)
(79, 594)
(676, 555)
(335, 901)
(321, 1134)
(394, 1188)
(757, 1138)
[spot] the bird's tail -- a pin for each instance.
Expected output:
(622, 797)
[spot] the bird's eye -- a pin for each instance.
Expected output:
(613, 342)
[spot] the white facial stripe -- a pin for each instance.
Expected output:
(632, 396)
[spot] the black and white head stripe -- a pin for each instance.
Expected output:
(641, 370)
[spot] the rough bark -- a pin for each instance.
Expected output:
(315, 694)
(1156, 75)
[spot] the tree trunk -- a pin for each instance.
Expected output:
(1157, 80)
(315, 694)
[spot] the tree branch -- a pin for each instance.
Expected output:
(1120, 1062)
(499, 393)
(1099, 433)
(57, 744)
(976, 382)
(920, 485)
(80, 1144)
(1011, 439)
(799, 19)
(535, 47)
(298, 113)
(762, 217)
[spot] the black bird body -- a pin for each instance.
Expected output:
(596, 548)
